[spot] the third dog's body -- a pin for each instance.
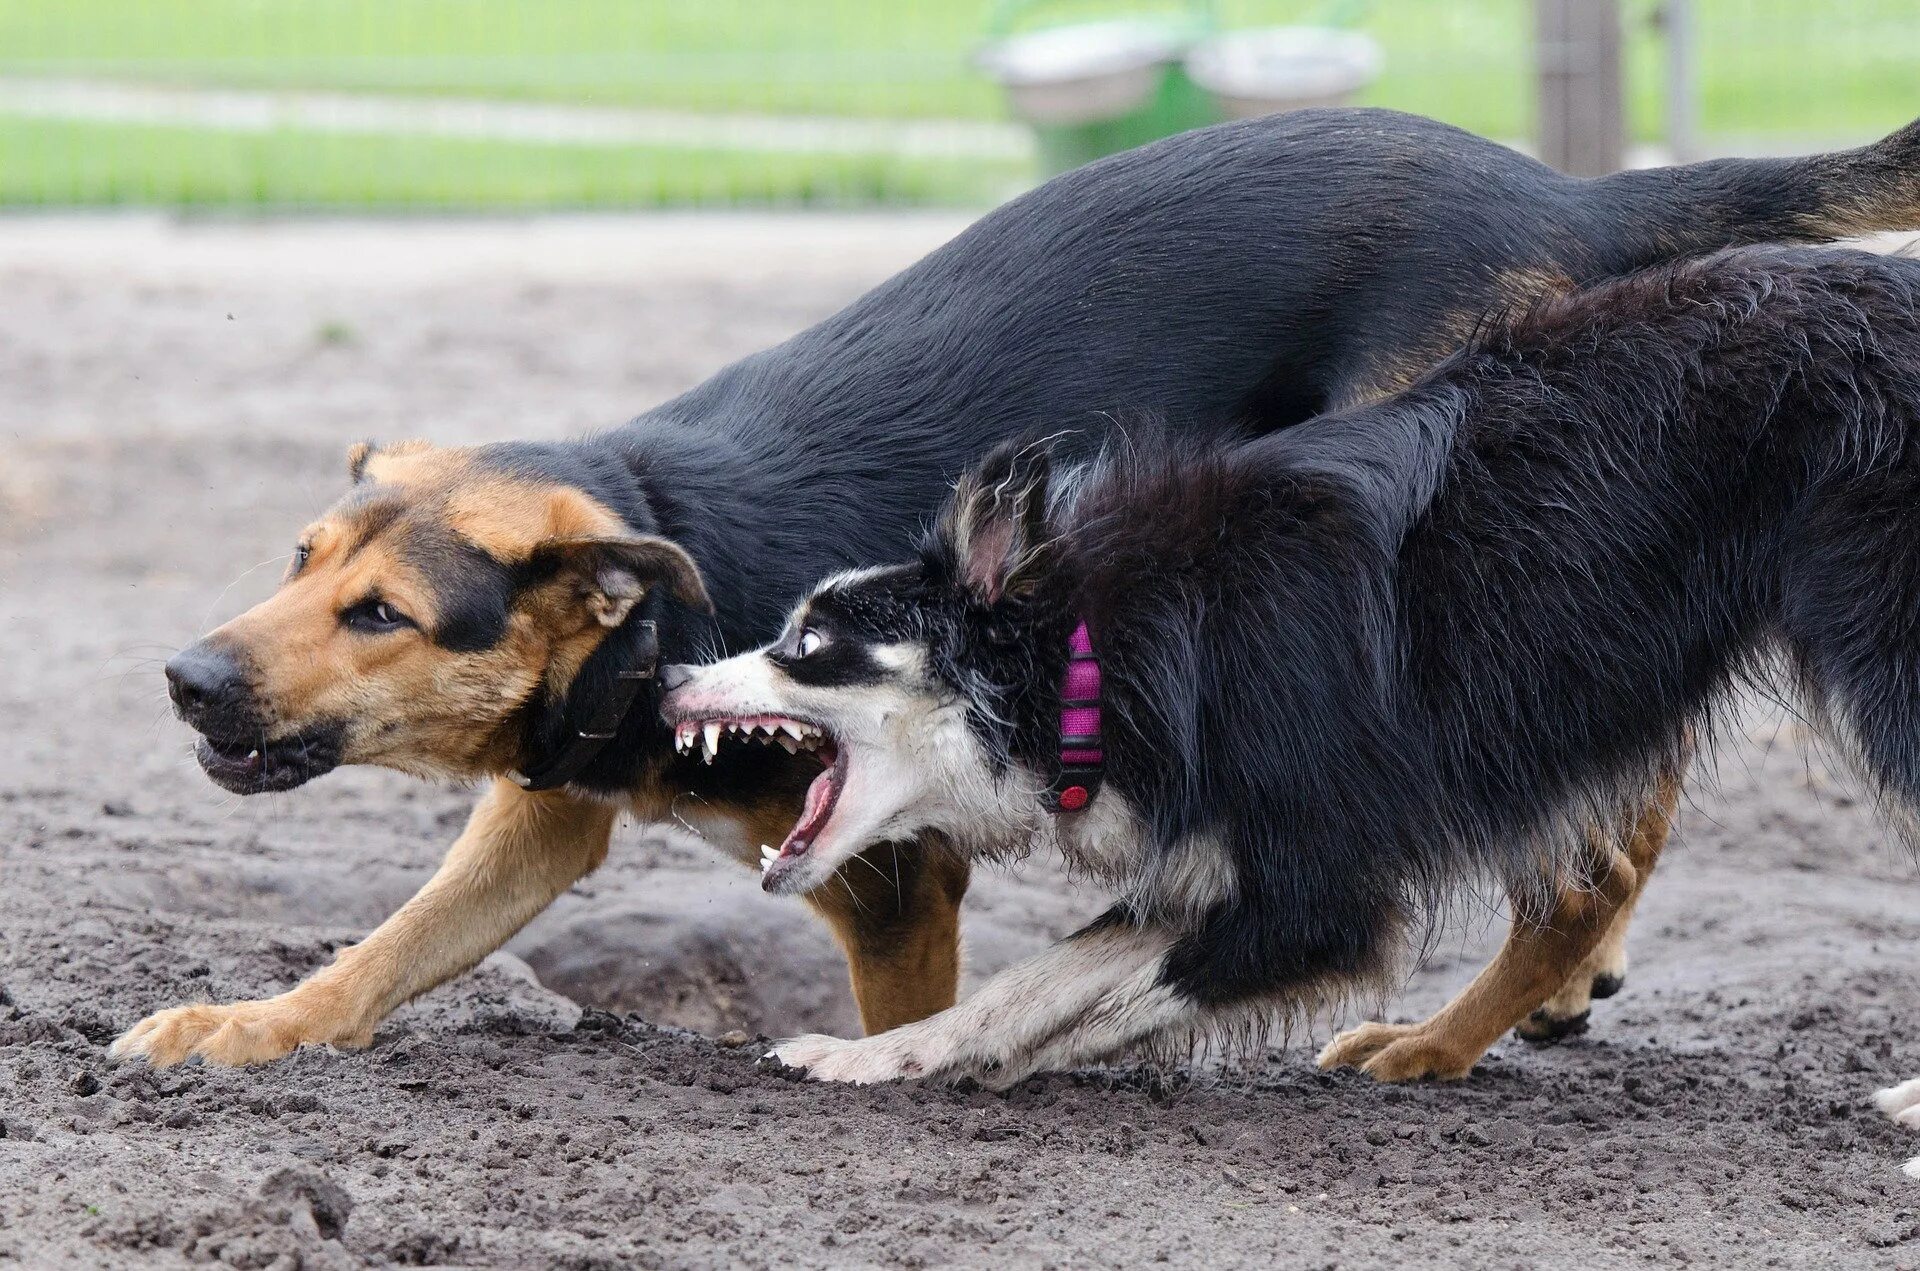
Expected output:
(1346, 666)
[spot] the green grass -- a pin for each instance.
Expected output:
(1768, 64)
(78, 164)
(1782, 70)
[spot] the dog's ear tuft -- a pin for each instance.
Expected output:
(613, 574)
(357, 455)
(996, 526)
(361, 454)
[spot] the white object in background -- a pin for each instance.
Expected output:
(1284, 68)
(1082, 74)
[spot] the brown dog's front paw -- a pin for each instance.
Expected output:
(236, 1034)
(1396, 1052)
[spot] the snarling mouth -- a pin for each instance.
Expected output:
(253, 766)
(704, 737)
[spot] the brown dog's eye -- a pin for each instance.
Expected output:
(375, 617)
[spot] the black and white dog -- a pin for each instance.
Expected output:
(1281, 696)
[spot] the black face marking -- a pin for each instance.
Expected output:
(374, 513)
(473, 591)
(851, 618)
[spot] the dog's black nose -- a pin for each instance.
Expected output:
(203, 678)
(673, 675)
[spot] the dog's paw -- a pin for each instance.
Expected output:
(1901, 1103)
(1396, 1052)
(865, 1062)
(236, 1034)
(1545, 1025)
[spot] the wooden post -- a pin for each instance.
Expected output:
(1582, 106)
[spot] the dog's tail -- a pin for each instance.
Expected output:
(1702, 207)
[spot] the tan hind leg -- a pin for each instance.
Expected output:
(1539, 956)
(896, 912)
(1604, 971)
(1602, 975)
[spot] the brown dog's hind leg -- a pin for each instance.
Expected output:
(896, 912)
(1539, 956)
(518, 852)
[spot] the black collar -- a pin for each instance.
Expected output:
(603, 724)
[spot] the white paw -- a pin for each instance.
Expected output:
(884, 1057)
(1898, 1101)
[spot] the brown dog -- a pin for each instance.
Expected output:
(369, 654)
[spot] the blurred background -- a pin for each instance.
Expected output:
(484, 105)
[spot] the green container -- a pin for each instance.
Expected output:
(1089, 89)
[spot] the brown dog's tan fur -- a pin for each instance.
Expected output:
(413, 706)
(518, 852)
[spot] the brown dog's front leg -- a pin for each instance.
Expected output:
(895, 909)
(518, 852)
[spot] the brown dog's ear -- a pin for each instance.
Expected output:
(996, 523)
(362, 453)
(613, 574)
(357, 455)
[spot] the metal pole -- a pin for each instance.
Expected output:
(1683, 81)
(1582, 105)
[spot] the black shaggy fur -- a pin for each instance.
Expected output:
(1240, 277)
(1426, 639)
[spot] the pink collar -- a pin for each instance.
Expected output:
(1081, 755)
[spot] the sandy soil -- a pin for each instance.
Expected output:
(176, 402)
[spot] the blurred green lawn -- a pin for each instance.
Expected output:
(1780, 70)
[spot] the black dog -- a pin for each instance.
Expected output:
(1347, 666)
(452, 614)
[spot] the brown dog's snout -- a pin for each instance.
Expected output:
(206, 681)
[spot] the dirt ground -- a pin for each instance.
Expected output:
(174, 403)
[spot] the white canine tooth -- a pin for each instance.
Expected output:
(768, 851)
(790, 728)
(787, 743)
(711, 737)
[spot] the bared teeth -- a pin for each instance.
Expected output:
(703, 737)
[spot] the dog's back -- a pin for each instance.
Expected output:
(1241, 277)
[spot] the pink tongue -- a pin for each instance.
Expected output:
(819, 801)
